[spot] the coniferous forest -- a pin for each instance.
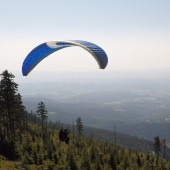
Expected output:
(28, 141)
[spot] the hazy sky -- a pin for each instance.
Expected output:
(134, 33)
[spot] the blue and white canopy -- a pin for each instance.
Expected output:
(45, 49)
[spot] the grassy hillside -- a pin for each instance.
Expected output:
(40, 152)
(122, 139)
(28, 142)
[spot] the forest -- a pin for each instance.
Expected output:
(28, 141)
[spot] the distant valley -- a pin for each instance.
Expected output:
(136, 105)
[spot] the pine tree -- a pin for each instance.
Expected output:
(1, 115)
(92, 154)
(80, 131)
(139, 162)
(79, 126)
(98, 166)
(71, 162)
(112, 161)
(55, 157)
(85, 162)
(125, 162)
(11, 107)
(20, 117)
(157, 146)
(35, 157)
(42, 113)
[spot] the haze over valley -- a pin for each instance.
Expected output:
(136, 103)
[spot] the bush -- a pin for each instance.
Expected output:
(8, 149)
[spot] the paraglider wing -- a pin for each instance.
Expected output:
(45, 49)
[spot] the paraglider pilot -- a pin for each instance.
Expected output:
(64, 135)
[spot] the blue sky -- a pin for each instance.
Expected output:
(134, 33)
